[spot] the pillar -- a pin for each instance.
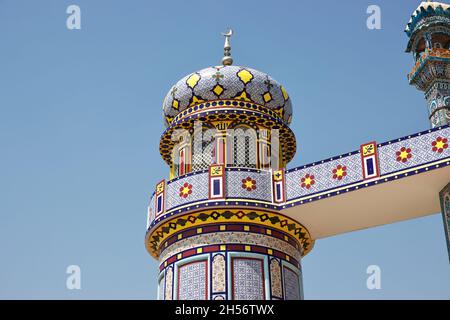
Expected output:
(444, 196)
(230, 254)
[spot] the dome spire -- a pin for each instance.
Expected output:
(227, 60)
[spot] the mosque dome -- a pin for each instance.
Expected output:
(227, 85)
(427, 13)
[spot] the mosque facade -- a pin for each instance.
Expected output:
(233, 223)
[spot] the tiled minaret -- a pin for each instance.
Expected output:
(429, 41)
(215, 227)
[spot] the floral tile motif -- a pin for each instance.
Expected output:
(323, 174)
(340, 172)
(421, 149)
(424, 148)
(439, 145)
(199, 190)
(404, 154)
(249, 184)
(235, 183)
(186, 190)
(307, 181)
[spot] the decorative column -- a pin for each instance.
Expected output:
(264, 148)
(429, 38)
(444, 196)
(215, 227)
(181, 154)
(220, 143)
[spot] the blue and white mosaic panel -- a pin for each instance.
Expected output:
(248, 279)
(291, 285)
(199, 183)
(405, 153)
(323, 176)
(421, 151)
(261, 181)
(192, 282)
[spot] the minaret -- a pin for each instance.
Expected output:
(215, 226)
(429, 41)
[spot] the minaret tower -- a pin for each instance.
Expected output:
(429, 41)
(215, 227)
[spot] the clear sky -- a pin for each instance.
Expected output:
(80, 121)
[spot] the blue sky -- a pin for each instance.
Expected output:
(80, 120)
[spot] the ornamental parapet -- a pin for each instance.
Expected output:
(248, 187)
(435, 54)
(371, 165)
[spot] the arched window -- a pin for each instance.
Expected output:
(181, 154)
(242, 151)
(441, 40)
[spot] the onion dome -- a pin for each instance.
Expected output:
(225, 97)
(227, 82)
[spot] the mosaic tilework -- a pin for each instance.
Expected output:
(234, 227)
(421, 151)
(227, 82)
(192, 281)
(323, 176)
(199, 184)
(218, 273)
(275, 278)
(326, 175)
(235, 115)
(247, 279)
(241, 277)
(234, 188)
(261, 192)
(230, 238)
(434, 11)
(156, 236)
(438, 93)
(161, 289)
(420, 146)
(238, 248)
(291, 285)
(169, 284)
(151, 211)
